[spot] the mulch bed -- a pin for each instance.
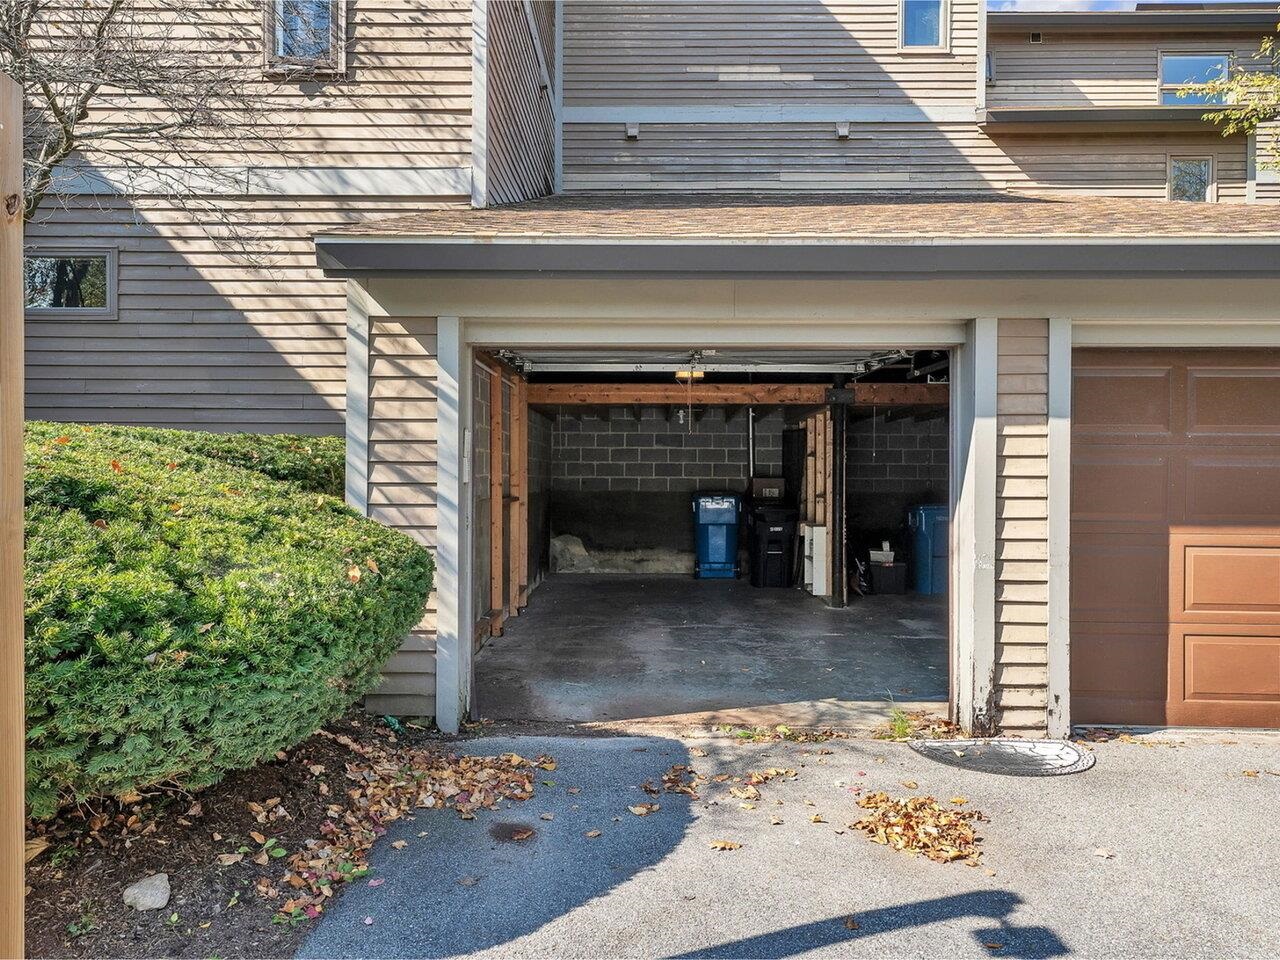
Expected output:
(234, 852)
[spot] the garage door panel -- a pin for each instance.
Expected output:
(1224, 488)
(1123, 401)
(1128, 489)
(1118, 672)
(1197, 507)
(1234, 583)
(1115, 580)
(1223, 676)
(1233, 402)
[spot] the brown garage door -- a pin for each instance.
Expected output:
(1175, 537)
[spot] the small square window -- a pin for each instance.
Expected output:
(1191, 179)
(70, 284)
(923, 24)
(1178, 71)
(305, 36)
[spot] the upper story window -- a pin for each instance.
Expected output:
(305, 36)
(70, 284)
(924, 25)
(1178, 71)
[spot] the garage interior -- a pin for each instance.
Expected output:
(738, 537)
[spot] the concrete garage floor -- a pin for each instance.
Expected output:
(669, 648)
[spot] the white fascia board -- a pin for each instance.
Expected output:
(770, 113)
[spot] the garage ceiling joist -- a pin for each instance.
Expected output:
(735, 394)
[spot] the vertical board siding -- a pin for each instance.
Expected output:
(229, 325)
(402, 493)
(521, 122)
(1022, 528)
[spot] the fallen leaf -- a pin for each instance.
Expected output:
(372, 565)
(468, 881)
(262, 859)
(592, 834)
(548, 816)
(644, 809)
(911, 784)
(959, 801)
(400, 844)
(574, 790)
(62, 440)
(724, 845)
(1250, 773)
(316, 769)
(377, 882)
(524, 833)
(850, 923)
(353, 573)
(697, 752)
(229, 859)
(115, 466)
(992, 945)
(1104, 853)
(206, 925)
(34, 847)
(775, 821)
(257, 837)
(817, 818)
(368, 921)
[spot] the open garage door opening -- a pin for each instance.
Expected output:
(727, 536)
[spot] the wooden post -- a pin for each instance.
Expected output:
(12, 711)
(517, 565)
(497, 509)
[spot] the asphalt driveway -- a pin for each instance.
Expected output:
(1161, 850)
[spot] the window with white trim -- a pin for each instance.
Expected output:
(1191, 179)
(1181, 71)
(305, 36)
(924, 24)
(70, 284)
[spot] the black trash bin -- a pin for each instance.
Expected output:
(773, 538)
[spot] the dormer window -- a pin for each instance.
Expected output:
(1181, 71)
(924, 25)
(305, 36)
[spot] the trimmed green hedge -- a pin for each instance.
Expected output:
(313, 463)
(186, 617)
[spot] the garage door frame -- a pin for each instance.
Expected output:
(973, 467)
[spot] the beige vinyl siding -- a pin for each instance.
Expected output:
(521, 122)
(1078, 70)
(254, 340)
(643, 53)
(402, 477)
(1022, 533)
(884, 156)
(205, 339)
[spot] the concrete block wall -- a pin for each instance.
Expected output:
(619, 453)
(621, 482)
(893, 465)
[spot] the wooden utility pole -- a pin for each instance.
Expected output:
(12, 712)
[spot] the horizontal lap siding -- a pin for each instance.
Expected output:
(255, 341)
(521, 141)
(402, 472)
(882, 156)
(1117, 70)
(635, 53)
(204, 339)
(1022, 568)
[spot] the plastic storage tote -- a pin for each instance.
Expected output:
(715, 534)
(930, 540)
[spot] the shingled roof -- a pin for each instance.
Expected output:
(812, 218)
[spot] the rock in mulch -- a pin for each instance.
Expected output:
(150, 893)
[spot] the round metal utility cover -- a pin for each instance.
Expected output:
(1013, 758)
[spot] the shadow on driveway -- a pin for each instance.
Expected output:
(1004, 940)
(466, 886)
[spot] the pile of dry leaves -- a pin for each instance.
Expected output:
(386, 783)
(922, 825)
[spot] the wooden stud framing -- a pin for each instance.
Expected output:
(497, 509)
(12, 731)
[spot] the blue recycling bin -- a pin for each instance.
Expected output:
(930, 542)
(715, 535)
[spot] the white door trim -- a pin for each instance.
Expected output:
(1059, 524)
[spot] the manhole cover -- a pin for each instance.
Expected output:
(1013, 758)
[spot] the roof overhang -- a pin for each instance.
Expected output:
(1155, 21)
(867, 258)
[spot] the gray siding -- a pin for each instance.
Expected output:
(521, 121)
